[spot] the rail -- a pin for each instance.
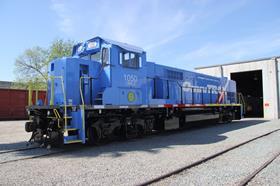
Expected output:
(177, 171)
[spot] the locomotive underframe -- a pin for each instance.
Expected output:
(111, 123)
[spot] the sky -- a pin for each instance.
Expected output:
(179, 33)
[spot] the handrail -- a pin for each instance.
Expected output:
(221, 93)
(242, 100)
(30, 95)
(194, 87)
(82, 98)
(64, 97)
(30, 91)
(181, 91)
(81, 91)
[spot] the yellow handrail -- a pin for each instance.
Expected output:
(52, 90)
(36, 96)
(30, 91)
(64, 97)
(57, 116)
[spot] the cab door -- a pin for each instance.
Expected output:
(85, 84)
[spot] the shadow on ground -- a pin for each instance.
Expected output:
(201, 133)
(11, 146)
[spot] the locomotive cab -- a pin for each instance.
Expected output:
(122, 70)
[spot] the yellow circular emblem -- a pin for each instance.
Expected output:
(131, 96)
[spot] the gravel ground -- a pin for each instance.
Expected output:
(19, 155)
(269, 176)
(134, 161)
(13, 135)
(230, 168)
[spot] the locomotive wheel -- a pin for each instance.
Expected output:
(229, 117)
(93, 135)
(226, 117)
(149, 125)
(58, 141)
(159, 123)
(182, 122)
(140, 131)
(29, 126)
(129, 129)
(123, 132)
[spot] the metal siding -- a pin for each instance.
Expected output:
(13, 103)
(269, 75)
(4, 104)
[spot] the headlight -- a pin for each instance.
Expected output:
(92, 45)
(80, 49)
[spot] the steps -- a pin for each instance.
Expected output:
(75, 129)
(73, 141)
(73, 133)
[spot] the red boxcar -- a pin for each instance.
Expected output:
(14, 101)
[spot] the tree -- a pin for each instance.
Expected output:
(32, 65)
(60, 48)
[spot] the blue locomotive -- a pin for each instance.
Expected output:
(108, 89)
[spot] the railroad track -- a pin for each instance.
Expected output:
(33, 157)
(157, 179)
(257, 171)
(18, 150)
(49, 153)
(43, 153)
(199, 162)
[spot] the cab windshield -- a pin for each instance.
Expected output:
(94, 57)
(101, 57)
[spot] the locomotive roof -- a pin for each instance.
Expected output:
(123, 45)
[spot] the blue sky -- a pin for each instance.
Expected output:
(180, 33)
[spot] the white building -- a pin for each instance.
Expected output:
(257, 80)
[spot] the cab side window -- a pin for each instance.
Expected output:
(105, 56)
(130, 60)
